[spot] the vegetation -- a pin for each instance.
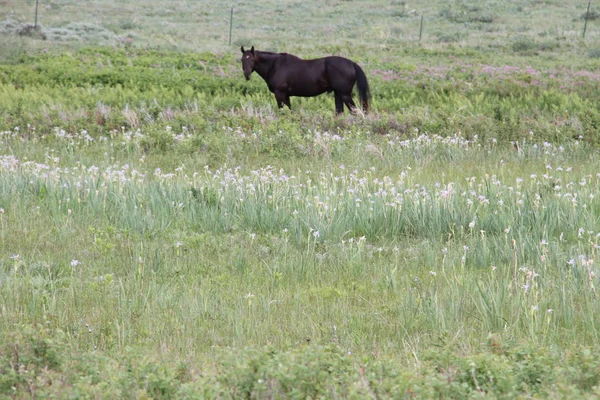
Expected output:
(165, 232)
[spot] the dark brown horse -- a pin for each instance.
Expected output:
(287, 75)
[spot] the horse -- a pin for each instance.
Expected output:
(287, 75)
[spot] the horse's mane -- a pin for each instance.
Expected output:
(270, 53)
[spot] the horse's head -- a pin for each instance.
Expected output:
(248, 61)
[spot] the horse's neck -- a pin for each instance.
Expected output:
(266, 64)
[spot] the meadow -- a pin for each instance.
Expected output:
(166, 232)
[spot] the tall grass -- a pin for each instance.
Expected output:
(129, 256)
(249, 252)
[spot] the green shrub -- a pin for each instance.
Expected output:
(37, 361)
(524, 44)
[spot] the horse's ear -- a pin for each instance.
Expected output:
(242, 49)
(252, 50)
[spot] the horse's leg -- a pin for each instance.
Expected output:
(282, 98)
(349, 103)
(339, 104)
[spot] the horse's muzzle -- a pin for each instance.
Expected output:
(247, 75)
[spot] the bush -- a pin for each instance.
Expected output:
(524, 44)
(37, 361)
(592, 16)
(594, 53)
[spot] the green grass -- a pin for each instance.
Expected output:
(336, 26)
(104, 90)
(165, 232)
(192, 259)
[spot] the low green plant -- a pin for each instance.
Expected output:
(307, 370)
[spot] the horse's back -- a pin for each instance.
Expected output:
(337, 73)
(299, 77)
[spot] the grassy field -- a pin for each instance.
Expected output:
(166, 232)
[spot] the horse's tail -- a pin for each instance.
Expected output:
(364, 92)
